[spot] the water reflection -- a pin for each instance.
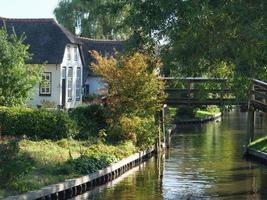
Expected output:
(204, 162)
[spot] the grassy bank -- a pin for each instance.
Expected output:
(259, 144)
(187, 113)
(47, 162)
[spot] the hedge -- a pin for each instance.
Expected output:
(33, 123)
(90, 119)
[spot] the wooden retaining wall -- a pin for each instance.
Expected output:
(77, 186)
(256, 155)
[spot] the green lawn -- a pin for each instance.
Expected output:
(203, 114)
(259, 144)
(197, 113)
(50, 157)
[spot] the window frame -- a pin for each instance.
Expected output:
(78, 90)
(70, 89)
(68, 52)
(50, 85)
(75, 53)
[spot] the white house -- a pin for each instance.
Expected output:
(92, 83)
(60, 52)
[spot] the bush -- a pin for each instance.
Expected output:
(90, 119)
(185, 111)
(88, 164)
(141, 131)
(40, 124)
(13, 164)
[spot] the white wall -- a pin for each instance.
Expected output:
(95, 85)
(56, 88)
(74, 64)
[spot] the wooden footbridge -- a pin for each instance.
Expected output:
(189, 92)
(185, 91)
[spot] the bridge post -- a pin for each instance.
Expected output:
(189, 87)
(251, 116)
(251, 123)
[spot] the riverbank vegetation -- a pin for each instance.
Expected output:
(39, 147)
(29, 164)
(186, 113)
(259, 144)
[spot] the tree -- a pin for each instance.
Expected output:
(202, 36)
(134, 95)
(133, 88)
(94, 18)
(17, 79)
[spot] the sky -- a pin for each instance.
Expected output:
(27, 8)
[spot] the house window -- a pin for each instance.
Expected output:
(78, 84)
(68, 53)
(45, 85)
(70, 80)
(87, 89)
(75, 54)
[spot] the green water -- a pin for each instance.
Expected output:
(204, 162)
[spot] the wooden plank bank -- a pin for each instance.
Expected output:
(255, 155)
(73, 187)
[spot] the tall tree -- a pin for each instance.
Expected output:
(93, 18)
(17, 80)
(200, 37)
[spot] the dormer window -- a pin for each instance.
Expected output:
(68, 53)
(75, 53)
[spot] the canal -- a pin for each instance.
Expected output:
(203, 162)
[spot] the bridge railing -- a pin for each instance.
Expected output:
(188, 92)
(258, 95)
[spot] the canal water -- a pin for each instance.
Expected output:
(204, 162)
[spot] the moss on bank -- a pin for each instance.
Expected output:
(259, 144)
(56, 161)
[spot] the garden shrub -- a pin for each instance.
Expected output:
(13, 164)
(141, 131)
(88, 164)
(90, 119)
(185, 111)
(40, 124)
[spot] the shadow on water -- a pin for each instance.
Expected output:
(203, 162)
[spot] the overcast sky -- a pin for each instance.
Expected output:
(27, 8)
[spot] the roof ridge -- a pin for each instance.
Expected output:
(29, 19)
(68, 34)
(99, 40)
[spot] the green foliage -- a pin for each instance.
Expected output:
(17, 80)
(134, 89)
(13, 164)
(203, 38)
(52, 162)
(96, 157)
(142, 131)
(97, 18)
(259, 144)
(36, 123)
(90, 119)
(88, 164)
(185, 111)
(135, 95)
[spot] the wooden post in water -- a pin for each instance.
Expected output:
(168, 138)
(251, 116)
(189, 87)
(251, 122)
(158, 140)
